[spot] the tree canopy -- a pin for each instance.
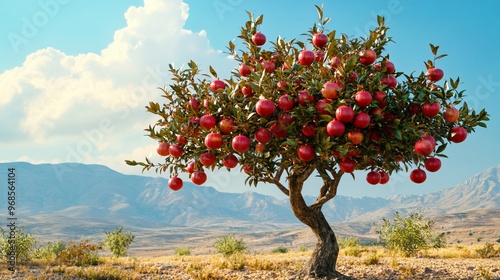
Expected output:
(331, 103)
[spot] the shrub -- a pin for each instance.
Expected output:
(488, 251)
(303, 248)
(229, 245)
(182, 251)
(371, 259)
(438, 241)
(118, 241)
(407, 235)
(280, 249)
(50, 251)
(236, 261)
(24, 244)
(352, 251)
(347, 242)
(80, 254)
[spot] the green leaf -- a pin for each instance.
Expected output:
(441, 148)
(250, 16)
(212, 71)
(301, 44)
(454, 84)
(327, 118)
(131, 162)
(440, 56)
(397, 134)
(259, 20)
(380, 20)
(465, 109)
(434, 49)
(231, 46)
(320, 12)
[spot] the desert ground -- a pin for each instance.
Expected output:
(363, 262)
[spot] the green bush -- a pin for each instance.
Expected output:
(79, 254)
(303, 248)
(347, 242)
(118, 241)
(25, 244)
(50, 251)
(280, 250)
(229, 245)
(182, 251)
(408, 235)
(438, 241)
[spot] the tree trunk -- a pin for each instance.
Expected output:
(323, 262)
(324, 257)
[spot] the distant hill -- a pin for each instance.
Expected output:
(95, 194)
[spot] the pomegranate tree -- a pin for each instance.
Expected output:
(288, 115)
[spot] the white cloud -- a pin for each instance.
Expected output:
(89, 107)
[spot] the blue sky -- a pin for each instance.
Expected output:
(76, 75)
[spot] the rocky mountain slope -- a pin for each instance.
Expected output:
(95, 193)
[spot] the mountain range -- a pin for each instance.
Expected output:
(84, 199)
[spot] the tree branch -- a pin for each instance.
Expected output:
(276, 181)
(324, 189)
(296, 181)
(329, 188)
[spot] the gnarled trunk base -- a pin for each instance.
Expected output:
(323, 261)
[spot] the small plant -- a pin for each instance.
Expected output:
(498, 240)
(394, 263)
(24, 244)
(182, 251)
(303, 248)
(439, 241)
(371, 259)
(229, 245)
(80, 254)
(347, 242)
(352, 251)
(488, 251)
(50, 251)
(408, 271)
(118, 241)
(236, 261)
(484, 273)
(280, 250)
(407, 235)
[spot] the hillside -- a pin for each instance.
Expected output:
(74, 200)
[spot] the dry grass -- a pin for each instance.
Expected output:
(365, 262)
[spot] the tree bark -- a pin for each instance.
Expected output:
(323, 260)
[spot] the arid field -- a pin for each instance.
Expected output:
(360, 262)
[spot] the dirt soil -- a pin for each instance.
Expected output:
(388, 268)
